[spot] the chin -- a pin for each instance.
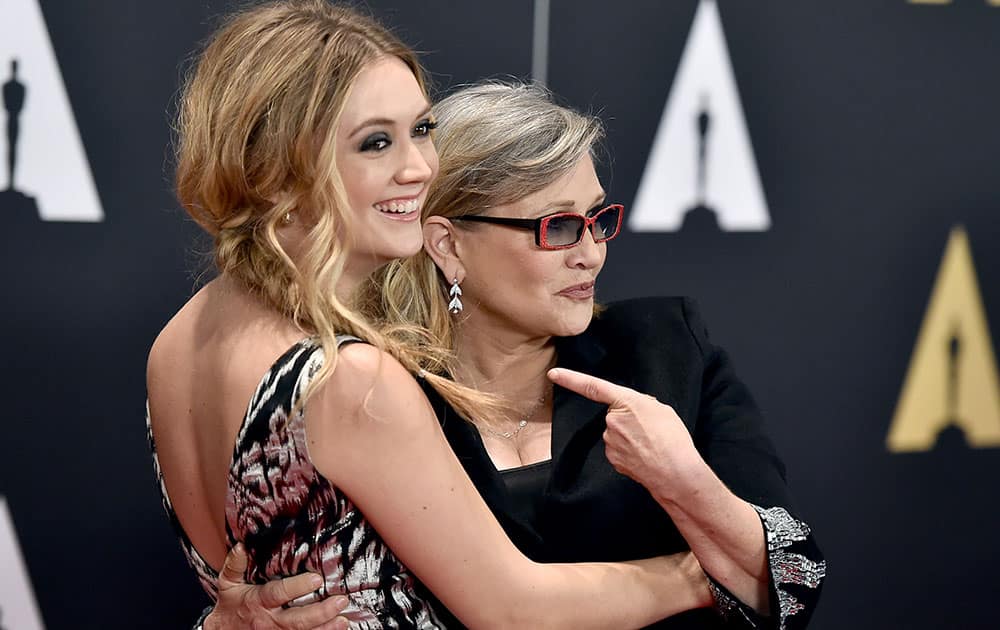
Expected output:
(401, 248)
(576, 320)
(410, 252)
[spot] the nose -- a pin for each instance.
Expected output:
(587, 254)
(415, 164)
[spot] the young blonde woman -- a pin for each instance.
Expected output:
(665, 452)
(280, 418)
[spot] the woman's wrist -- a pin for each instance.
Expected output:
(684, 484)
(697, 580)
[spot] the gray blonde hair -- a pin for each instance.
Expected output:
(500, 142)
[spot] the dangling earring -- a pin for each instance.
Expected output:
(455, 306)
(287, 219)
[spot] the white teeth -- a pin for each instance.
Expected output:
(398, 207)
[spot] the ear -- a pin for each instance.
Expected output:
(442, 244)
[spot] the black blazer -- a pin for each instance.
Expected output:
(590, 512)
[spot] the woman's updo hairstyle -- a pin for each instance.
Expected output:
(256, 134)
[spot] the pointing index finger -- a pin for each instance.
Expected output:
(592, 387)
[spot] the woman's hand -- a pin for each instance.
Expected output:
(259, 607)
(648, 442)
(644, 439)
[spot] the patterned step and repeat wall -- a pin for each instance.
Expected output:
(824, 177)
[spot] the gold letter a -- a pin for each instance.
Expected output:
(952, 379)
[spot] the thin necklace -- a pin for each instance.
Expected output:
(510, 435)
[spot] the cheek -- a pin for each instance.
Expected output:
(604, 257)
(431, 157)
(537, 278)
(360, 186)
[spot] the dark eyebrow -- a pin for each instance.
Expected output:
(375, 122)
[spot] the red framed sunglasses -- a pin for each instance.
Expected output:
(562, 230)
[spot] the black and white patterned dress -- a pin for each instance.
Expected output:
(292, 520)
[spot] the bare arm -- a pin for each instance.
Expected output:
(373, 434)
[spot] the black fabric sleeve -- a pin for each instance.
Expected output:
(729, 434)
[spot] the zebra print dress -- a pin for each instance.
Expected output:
(292, 520)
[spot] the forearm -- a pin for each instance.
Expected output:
(725, 535)
(621, 595)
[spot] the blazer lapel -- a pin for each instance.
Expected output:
(572, 412)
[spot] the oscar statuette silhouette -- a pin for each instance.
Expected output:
(700, 218)
(14, 204)
(952, 437)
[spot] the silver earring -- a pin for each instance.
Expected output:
(287, 219)
(455, 306)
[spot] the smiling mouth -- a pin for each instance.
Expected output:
(398, 206)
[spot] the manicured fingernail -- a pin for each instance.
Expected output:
(342, 601)
(316, 581)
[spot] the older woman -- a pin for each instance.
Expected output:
(518, 222)
(665, 451)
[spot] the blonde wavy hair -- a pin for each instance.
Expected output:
(497, 143)
(255, 140)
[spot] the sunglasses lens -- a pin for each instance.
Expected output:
(606, 225)
(563, 230)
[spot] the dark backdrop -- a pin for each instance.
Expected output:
(875, 129)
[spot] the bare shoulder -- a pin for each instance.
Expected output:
(166, 353)
(223, 318)
(211, 355)
(369, 383)
(370, 415)
(179, 338)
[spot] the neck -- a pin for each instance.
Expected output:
(346, 286)
(502, 362)
(354, 273)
